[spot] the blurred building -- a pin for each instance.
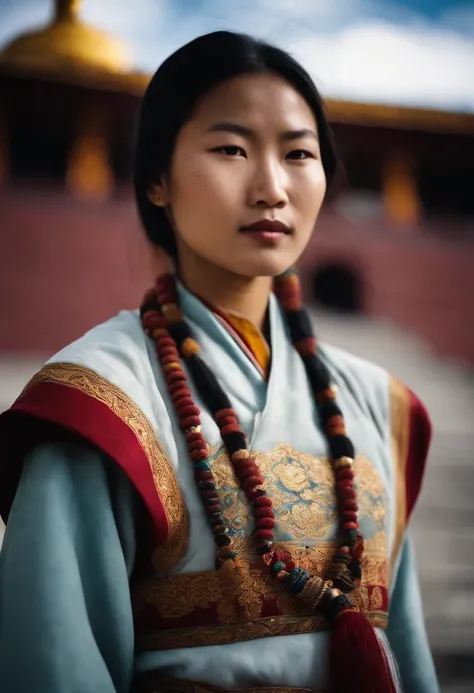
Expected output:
(396, 241)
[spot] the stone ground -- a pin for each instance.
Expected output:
(444, 518)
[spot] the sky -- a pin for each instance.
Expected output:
(402, 52)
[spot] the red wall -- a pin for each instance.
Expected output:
(65, 266)
(421, 281)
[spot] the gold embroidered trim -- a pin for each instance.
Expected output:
(238, 590)
(238, 632)
(155, 682)
(99, 388)
(400, 435)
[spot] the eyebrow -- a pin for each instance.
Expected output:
(237, 129)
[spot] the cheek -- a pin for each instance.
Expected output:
(308, 196)
(202, 191)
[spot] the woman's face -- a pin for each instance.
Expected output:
(249, 156)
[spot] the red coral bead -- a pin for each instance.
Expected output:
(169, 351)
(241, 465)
(347, 495)
(214, 509)
(182, 400)
(225, 412)
(226, 421)
(252, 481)
(162, 342)
(189, 421)
(265, 523)
(197, 444)
(204, 475)
(199, 455)
(349, 516)
(250, 471)
(350, 525)
(175, 388)
(184, 410)
(263, 534)
(175, 376)
(230, 428)
(350, 505)
(343, 486)
(263, 501)
(194, 437)
(343, 474)
(291, 565)
(265, 511)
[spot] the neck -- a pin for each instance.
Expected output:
(247, 296)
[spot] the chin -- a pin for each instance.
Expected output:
(259, 266)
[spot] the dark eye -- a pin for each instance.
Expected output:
(300, 154)
(230, 150)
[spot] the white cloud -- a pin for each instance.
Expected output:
(379, 62)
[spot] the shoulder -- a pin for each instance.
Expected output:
(365, 382)
(116, 348)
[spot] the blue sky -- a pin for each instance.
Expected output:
(408, 52)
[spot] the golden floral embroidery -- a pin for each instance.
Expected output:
(224, 634)
(302, 489)
(93, 385)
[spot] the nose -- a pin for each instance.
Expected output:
(268, 188)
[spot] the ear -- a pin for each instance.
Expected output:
(158, 195)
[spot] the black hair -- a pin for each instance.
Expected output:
(174, 91)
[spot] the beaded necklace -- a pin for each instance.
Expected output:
(164, 322)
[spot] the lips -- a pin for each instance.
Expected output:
(268, 225)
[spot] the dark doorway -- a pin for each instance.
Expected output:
(338, 287)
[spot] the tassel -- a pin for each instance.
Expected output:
(357, 661)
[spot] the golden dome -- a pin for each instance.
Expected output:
(67, 49)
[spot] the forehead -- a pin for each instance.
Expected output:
(261, 100)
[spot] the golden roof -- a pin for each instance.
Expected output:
(67, 49)
(399, 117)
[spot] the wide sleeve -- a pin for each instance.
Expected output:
(406, 629)
(65, 613)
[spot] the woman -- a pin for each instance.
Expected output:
(183, 513)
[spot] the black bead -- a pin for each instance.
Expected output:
(180, 331)
(326, 411)
(222, 539)
(234, 442)
(215, 519)
(341, 446)
(150, 305)
(299, 324)
(211, 500)
(207, 485)
(263, 548)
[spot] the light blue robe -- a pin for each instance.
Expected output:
(66, 622)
